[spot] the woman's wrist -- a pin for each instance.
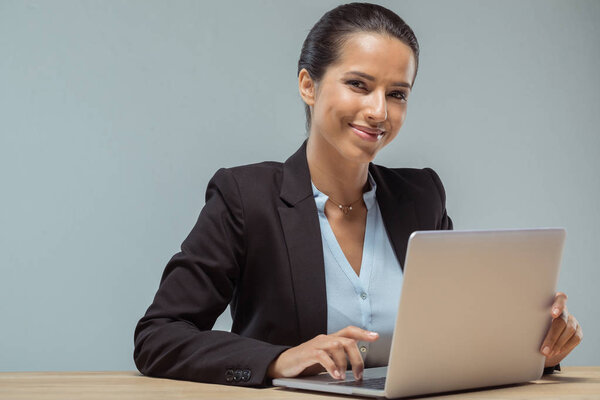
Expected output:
(273, 370)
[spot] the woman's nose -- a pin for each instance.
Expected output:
(376, 108)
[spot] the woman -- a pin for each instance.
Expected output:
(308, 253)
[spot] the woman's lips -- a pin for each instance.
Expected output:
(371, 135)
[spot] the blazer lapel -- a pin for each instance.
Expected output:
(300, 223)
(397, 211)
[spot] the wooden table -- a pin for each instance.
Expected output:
(572, 383)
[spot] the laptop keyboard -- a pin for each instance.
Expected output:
(372, 383)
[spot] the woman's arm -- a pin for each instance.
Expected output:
(446, 222)
(174, 338)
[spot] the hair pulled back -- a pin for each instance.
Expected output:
(323, 44)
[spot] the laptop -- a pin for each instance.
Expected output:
(473, 312)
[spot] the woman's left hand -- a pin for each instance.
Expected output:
(564, 334)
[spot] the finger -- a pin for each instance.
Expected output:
(356, 333)
(355, 358)
(338, 354)
(560, 301)
(556, 329)
(570, 330)
(572, 343)
(323, 358)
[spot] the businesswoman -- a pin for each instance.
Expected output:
(308, 253)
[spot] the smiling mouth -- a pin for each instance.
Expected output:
(369, 134)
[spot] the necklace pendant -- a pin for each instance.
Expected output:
(345, 209)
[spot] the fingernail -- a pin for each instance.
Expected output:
(342, 373)
(555, 311)
(336, 373)
(373, 334)
(546, 351)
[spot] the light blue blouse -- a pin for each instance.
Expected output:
(369, 301)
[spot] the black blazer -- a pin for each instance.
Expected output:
(257, 246)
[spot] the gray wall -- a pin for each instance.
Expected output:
(114, 115)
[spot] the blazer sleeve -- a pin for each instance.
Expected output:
(550, 370)
(174, 338)
(445, 221)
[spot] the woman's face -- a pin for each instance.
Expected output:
(360, 103)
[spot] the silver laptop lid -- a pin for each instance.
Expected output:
(487, 329)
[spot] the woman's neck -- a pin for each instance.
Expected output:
(341, 179)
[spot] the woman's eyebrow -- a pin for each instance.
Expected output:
(372, 78)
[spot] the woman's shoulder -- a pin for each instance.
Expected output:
(406, 174)
(255, 179)
(410, 179)
(252, 173)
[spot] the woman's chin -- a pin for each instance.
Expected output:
(359, 153)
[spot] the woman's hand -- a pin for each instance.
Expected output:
(564, 334)
(324, 352)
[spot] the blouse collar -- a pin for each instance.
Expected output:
(368, 196)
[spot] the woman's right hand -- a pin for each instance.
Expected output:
(324, 352)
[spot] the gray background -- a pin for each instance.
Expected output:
(114, 115)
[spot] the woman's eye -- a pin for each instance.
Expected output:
(399, 95)
(360, 85)
(357, 84)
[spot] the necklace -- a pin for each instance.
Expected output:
(345, 209)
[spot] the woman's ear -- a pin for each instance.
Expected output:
(306, 86)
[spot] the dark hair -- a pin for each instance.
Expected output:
(322, 46)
